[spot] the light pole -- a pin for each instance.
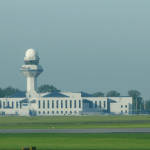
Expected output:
(136, 104)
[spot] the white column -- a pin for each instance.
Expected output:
(31, 84)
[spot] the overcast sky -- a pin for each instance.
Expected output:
(83, 45)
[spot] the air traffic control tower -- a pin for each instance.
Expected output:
(31, 70)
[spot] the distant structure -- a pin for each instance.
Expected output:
(58, 103)
(31, 70)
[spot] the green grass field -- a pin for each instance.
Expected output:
(75, 141)
(74, 122)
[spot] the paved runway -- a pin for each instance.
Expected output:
(112, 130)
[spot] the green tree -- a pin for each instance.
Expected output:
(99, 94)
(47, 88)
(2, 93)
(113, 94)
(9, 91)
(136, 96)
(147, 104)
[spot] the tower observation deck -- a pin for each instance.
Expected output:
(31, 70)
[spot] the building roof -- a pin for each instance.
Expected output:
(55, 94)
(24, 101)
(83, 94)
(33, 101)
(18, 95)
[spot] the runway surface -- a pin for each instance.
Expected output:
(112, 130)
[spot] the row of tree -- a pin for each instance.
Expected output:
(138, 102)
(6, 92)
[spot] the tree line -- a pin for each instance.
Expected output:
(137, 104)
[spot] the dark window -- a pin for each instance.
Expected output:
(66, 112)
(16, 104)
(95, 104)
(3, 104)
(125, 111)
(44, 112)
(20, 105)
(90, 104)
(57, 103)
(39, 104)
(8, 104)
(121, 106)
(99, 104)
(61, 112)
(43, 103)
(75, 112)
(47, 112)
(48, 104)
(25, 104)
(39, 112)
(70, 103)
(52, 112)
(125, 106)
(104, 104)
(65, 103)
(0, 104)
(61, 103)
(57, 112)
(52, 103)
(70, 112)
(122, 111)
(79, 103)
(74, 103)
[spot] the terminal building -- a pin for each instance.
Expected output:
(57, 103)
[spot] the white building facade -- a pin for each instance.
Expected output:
(58, 103)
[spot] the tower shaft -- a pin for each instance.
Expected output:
(31, 84)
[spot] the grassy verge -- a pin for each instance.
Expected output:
(76, 126)
(75, 141)
(74, 122)
(73, 119)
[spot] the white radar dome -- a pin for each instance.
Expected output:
(31, 53)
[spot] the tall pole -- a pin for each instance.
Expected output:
(144, 103)
(140, 108)
(136, 104)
